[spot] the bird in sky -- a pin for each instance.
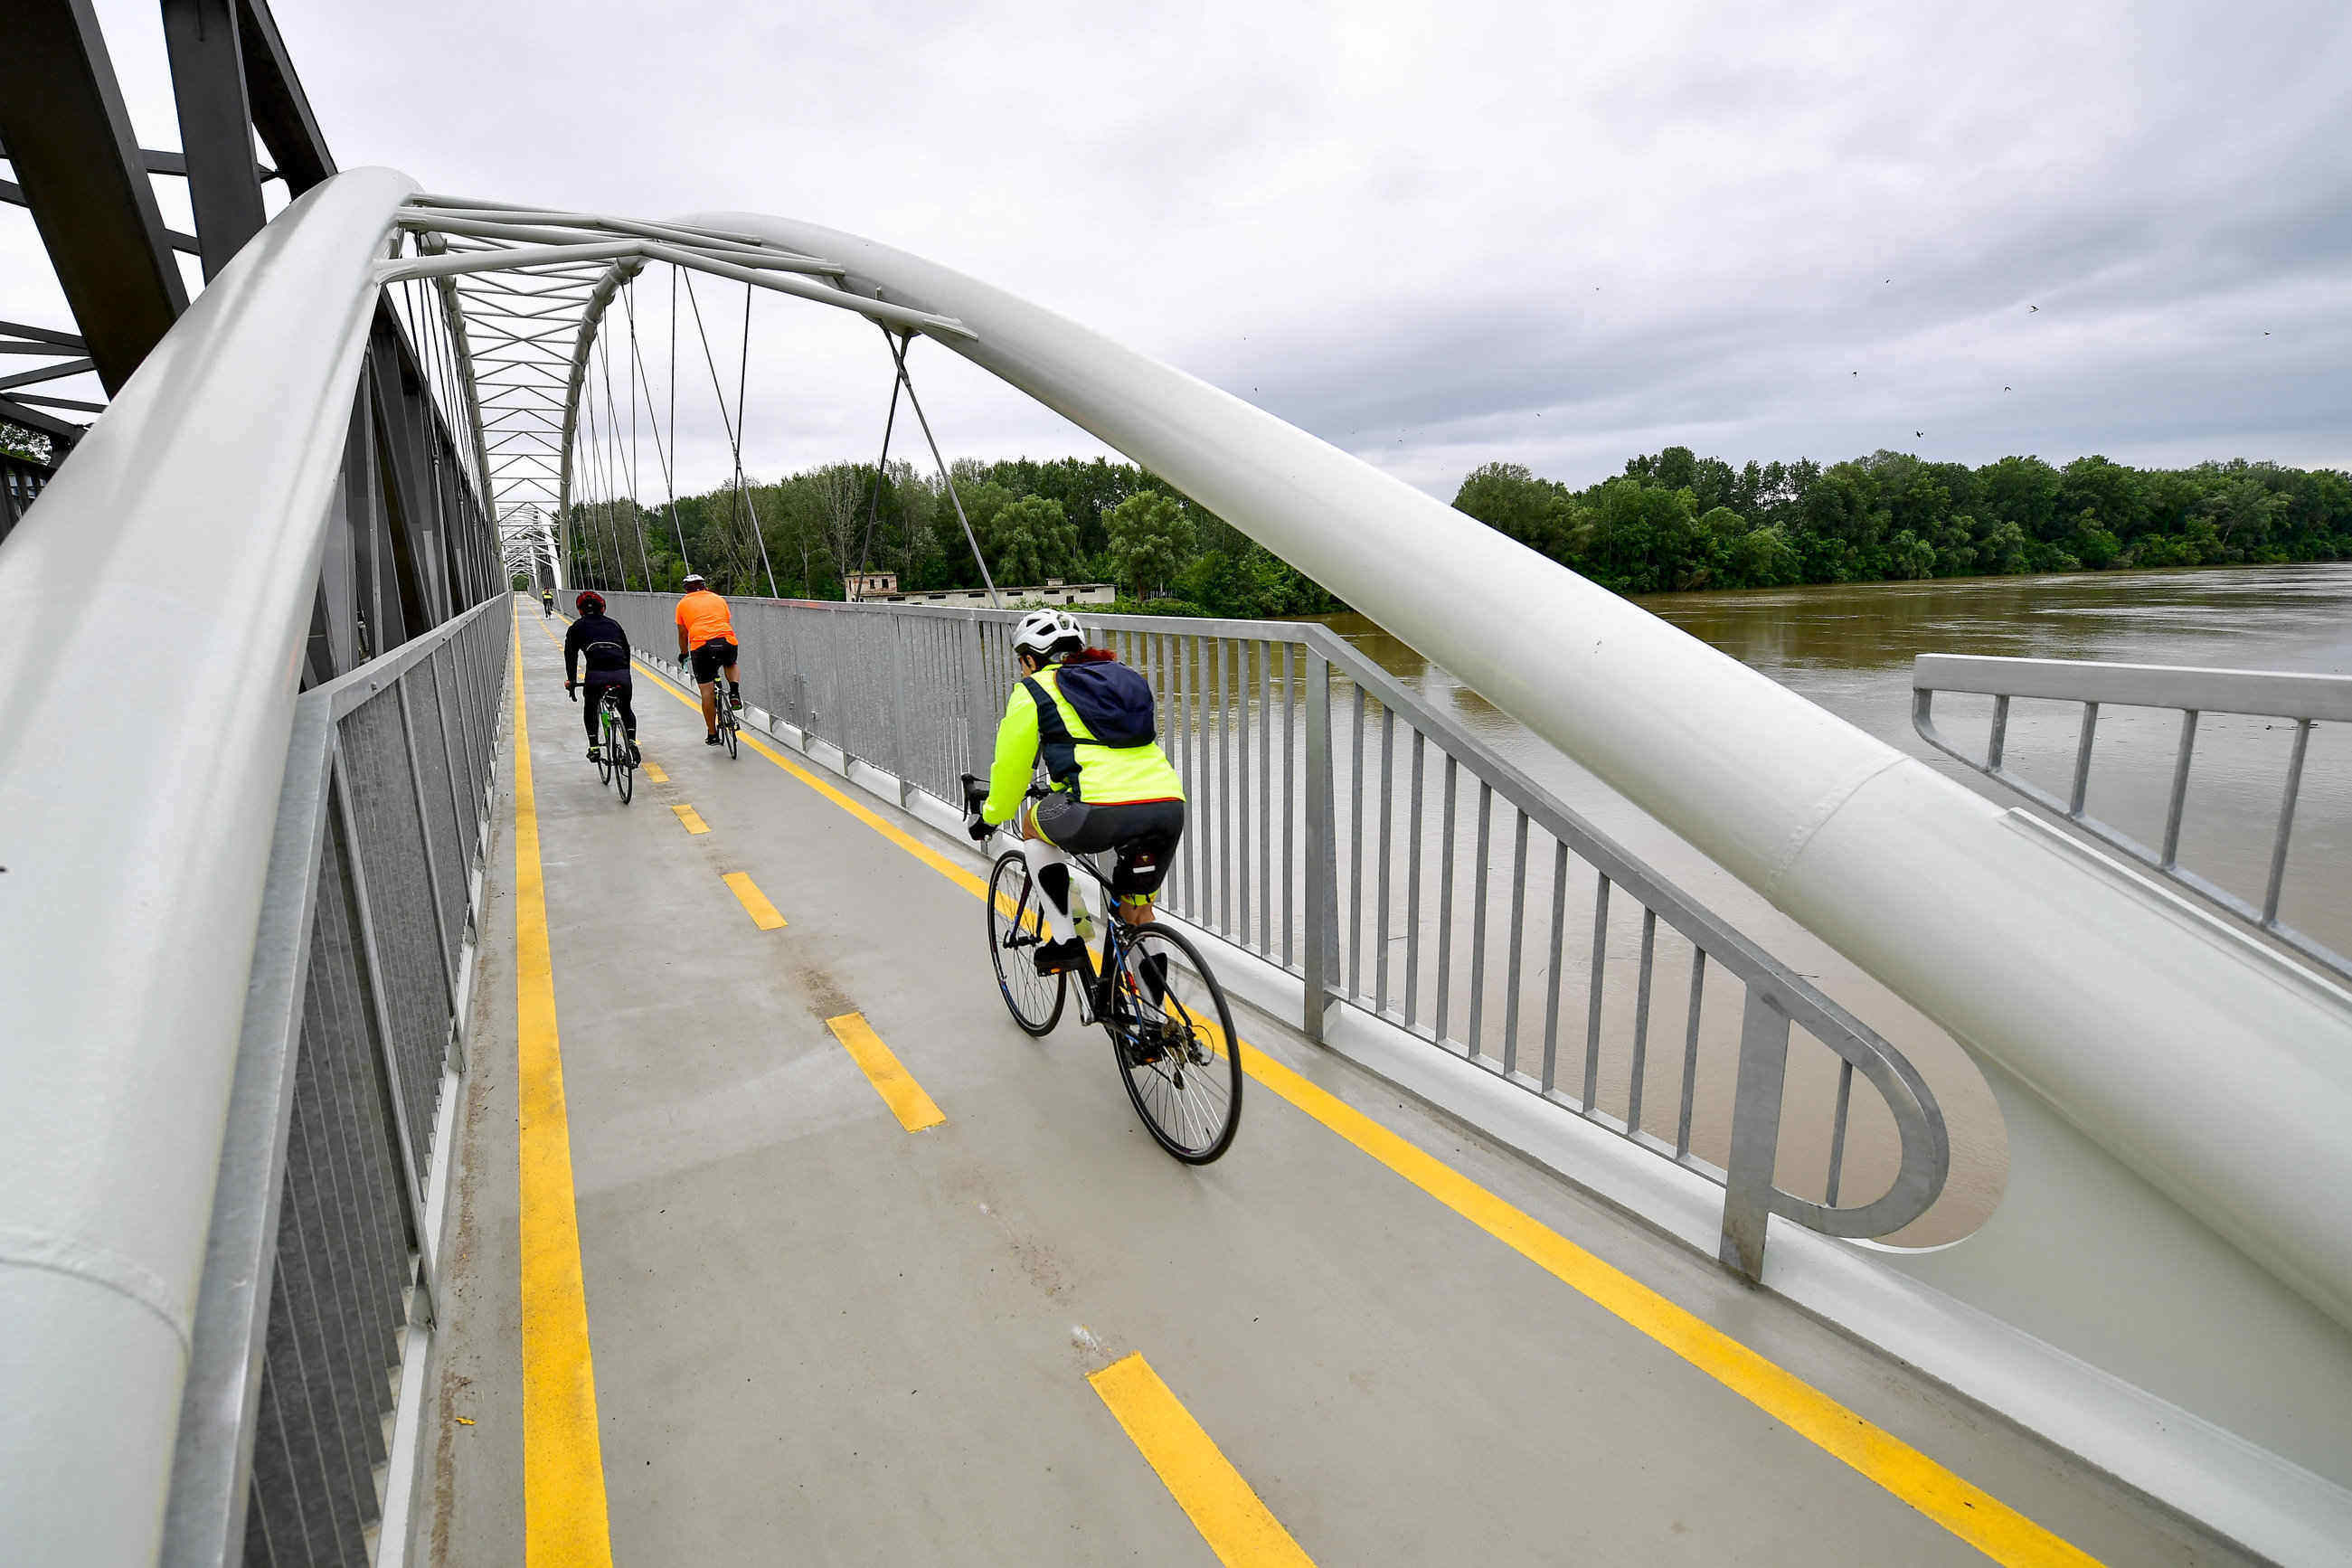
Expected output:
(1857, 372)
(1918, 432)
(2009, 389)
(2032, 309)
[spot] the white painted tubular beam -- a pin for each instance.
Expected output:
(174, 559)
(2218, 1079)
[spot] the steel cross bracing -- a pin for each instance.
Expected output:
(523, 294)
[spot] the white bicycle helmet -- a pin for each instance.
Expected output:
(1042, 631)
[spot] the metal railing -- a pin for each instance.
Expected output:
(1367, 844)
(2191, 692)
(319, 1276)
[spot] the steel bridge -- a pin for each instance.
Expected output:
(417, 1155)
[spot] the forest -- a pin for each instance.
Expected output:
(1079, 520)
(1672, 521)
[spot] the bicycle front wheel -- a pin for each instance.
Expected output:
(1016, 925)
(730, 726)
(1173, 1036)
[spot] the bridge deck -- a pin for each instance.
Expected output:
(819, 1336)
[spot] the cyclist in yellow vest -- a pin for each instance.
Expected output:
(1090, 719)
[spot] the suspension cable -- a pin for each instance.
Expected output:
(628, 464)
(734, 426)
(637, 362)
(899, 345)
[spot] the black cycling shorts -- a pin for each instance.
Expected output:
(711, 658)
(1143, 832)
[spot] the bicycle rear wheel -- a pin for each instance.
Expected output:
(604, 757)
(625, 771)
(730, 720)
(1016, 925)
(1173, 1034)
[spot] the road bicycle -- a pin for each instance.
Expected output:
(615, 758)
(1170, 1029)
(727, 709)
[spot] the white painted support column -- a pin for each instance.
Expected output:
(181, 543)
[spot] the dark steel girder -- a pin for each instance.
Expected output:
(216, 127)
(69, 136)
(281, 112)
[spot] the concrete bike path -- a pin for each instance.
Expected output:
(817, 1335)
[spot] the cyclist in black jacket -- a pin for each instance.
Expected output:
(598, 639)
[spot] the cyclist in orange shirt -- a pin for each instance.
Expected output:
(706, 638)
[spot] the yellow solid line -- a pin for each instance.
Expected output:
(1237, 1526)
(897, 1087)
(691, 819)
(653, 772)
(564, 1522)
(763, 913)
(1966, 1510)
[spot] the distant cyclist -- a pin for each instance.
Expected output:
(706, 638)
(546, 602)
(598, 641)
(1090, 717)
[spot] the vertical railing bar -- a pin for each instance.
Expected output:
(1837, 1132)
(1291, 801)
(1592, 1003)
(1518, 915)
(1478, 917)
(1412, 849)
(2082, 789)
(1558, 956)
(1265, 799)
(1189, 844)
(1322, 868)
(1355, 979)
(1241, 792)
(1226, 801)
(2286, 824)
(441, 948)
(2177, 805)
(1446, 900)
(1380, 914)
(371, 955)
(1997, 746)
(1690, 1054)
(1642, 1021)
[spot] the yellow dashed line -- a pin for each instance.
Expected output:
(653, 771)
(1238, 1527)
(692, 819)
(897, 1087)
(763, 913)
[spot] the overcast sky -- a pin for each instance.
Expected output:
(1438, 234)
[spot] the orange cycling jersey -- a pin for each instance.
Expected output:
(704, 617)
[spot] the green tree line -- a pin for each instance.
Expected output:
(1075, 519)
(1672, 521)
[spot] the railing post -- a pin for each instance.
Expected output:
(1755, 1133)
(1322, 851)
(975, 691)
(900, 747)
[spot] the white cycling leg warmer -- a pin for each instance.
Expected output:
(1050, 870)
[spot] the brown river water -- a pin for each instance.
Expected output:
(1849, 648)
